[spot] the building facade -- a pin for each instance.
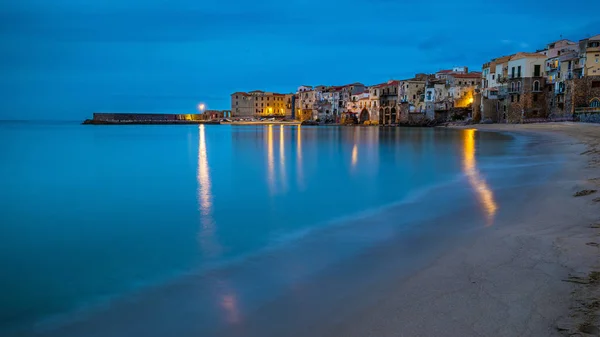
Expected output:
(259, 104)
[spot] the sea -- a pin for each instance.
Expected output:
(196, 229)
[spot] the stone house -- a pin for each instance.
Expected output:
(386, 96)
(242, 105)
(259, 103)
(526, 83)
(412, 92)
(591, 56)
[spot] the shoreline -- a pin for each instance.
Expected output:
(533, 275)
(473, 288)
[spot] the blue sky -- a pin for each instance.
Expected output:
(64, 59)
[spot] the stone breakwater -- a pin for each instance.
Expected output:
(146, 118)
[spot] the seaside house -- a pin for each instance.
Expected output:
(259, 103)
(437, 99)
(359, 104)
(526, 82)
(242, 104)
(494, 91)
(384, 99)
(462, 88)
(590, 54)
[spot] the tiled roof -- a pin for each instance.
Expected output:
(240, 93)
(446, 71)
(469, 75)
(522, 55)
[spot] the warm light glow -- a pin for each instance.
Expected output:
(203, 174)
(282, 172)
(354, 155)
(205, 202)
(229, 303)
(470, 100)
(201, 107)
(270, 160)
(479, 185)
(299, 169)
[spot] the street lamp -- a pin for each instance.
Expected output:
(201, 107)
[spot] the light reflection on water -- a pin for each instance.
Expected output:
(299, 169)
(484, 193)
(162, 207)
(208, 243)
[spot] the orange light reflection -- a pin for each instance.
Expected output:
(299, 169)
(479, 185)
(270, 160)
(282, 172)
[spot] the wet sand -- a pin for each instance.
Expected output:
(533, 275)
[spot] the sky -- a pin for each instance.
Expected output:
(65, 59)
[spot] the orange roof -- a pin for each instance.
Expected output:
(469, 75)
(522, 55)
(445, 71)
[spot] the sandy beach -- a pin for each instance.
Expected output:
(533, 271)
(535, 275)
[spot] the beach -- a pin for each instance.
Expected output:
(504, 248)
(533, 275)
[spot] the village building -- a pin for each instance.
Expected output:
(590, 56)
(259, 104)
(526, 83)
(384, 102)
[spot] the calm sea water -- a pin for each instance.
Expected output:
(91, 214)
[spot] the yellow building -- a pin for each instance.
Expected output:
(258, 103)
(592, 56)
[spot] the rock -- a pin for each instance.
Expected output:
(584, 193)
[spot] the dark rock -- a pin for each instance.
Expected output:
(583, 193)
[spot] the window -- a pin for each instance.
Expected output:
(512, 98)
(537, 70)
(459, 82)
(519, 86)
(512, 86)
(512, 72)
(236, 96)
(493, 76)
(536, 86)
(414, 96)
(519, 71)
(595, 103)
(518, 98)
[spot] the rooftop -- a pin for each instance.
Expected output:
(523, 55)
(474, 74)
